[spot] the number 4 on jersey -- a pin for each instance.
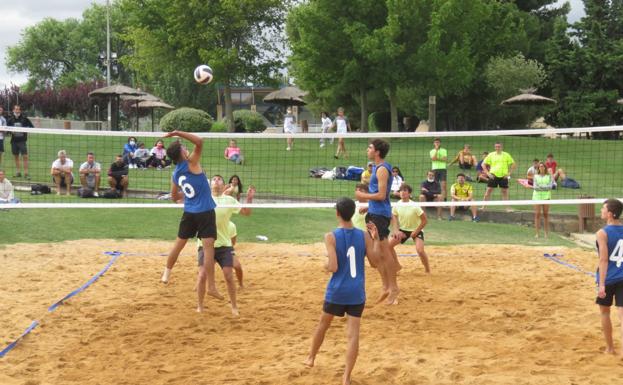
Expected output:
(617, 253)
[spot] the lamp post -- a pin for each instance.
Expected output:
(108, 57)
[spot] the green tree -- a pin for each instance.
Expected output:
(235, 37)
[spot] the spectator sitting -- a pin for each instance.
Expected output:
(483, 173)
(128, 152)
(118, 176)
(233, 187)
(2, 124)
(234, 153)
(397, 181)
(90, 174)
(551, 166)
(465, 158)
(430, 191)
(61, 172)
(7, 194)
(462, 191)
(142, 156)
(367, 174)
(532, 171)
(359, 217)
(159, 156)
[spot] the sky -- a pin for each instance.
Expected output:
(25, 13)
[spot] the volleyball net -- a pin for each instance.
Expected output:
(309, 175)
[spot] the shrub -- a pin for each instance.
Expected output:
(219, 126)
(187, 119)
(249, 121)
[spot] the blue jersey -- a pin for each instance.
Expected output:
(615, 254)
(347, 285)
(383, 207)
(196, 189)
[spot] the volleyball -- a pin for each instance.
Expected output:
(203, 74)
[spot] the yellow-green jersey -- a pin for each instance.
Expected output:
(438, 164)
(499, 163)
(359, 220)
(223, 216)
(463, 191)
(232, 230)
(409, 215)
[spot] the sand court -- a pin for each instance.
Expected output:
(487, 315)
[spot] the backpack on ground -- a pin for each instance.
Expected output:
(85, 192)
(570, 183)
(354, 173)
(340, 172)
(38, 189)
(317, 172)
(112, 194)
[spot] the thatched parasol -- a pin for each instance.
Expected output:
(114, 92)
(287, 96)
(154, 104)
(620, 101)
(138, 99)
(528, 98)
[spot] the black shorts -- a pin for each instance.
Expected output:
(201, 225)
(339, 310)
(612, 291)
(19, 148)
(498, 182)
(465, 166)
(224, 256)
(408, 235)
(429, 197)
(117, 181)
(1, 145)
(441, 175)
(381, 223)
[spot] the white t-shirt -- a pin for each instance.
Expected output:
(326, 123)
(6, 191)
(341, 123)
(396, 183)
(69, 164)
(2, 124)
(289, 124)
(90, 176)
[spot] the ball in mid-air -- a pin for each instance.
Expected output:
(203, 74)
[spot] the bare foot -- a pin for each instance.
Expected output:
(200, 309)
(240, 288)
(166, 275)
(309, 362)
(345, 380)
(215, 294)
(383, 295)
(610, 351)
(427, 271)
(392, 298)
(235, 312)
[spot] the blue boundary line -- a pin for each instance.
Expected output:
(114, 256)
(556, 258)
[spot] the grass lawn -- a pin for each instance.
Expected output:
(281, 225)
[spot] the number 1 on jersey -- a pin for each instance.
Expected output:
(350, 254)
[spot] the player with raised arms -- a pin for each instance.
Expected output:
(610, 272)
(190, 183)
(347, 248)
(380, 213)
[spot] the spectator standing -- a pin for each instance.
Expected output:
(2, 124)
(326, 125)
(234, 153)
(90, 174)
(342, 126)
(19, 139)
(128, 152)
(118, 176)
(289, 127)
(430, 191)
(7, 193)
(62, 172)
(438, 157)
(502, 166)
(542, 185)
(462, 191)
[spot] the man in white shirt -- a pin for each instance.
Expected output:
(2, 124)
(6, 190)
(289, 127)
(62, 172)
(90, 172)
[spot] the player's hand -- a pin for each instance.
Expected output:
(170, 134)
(374, 232)
(601, 293)
(359, 194)
(363, 210)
